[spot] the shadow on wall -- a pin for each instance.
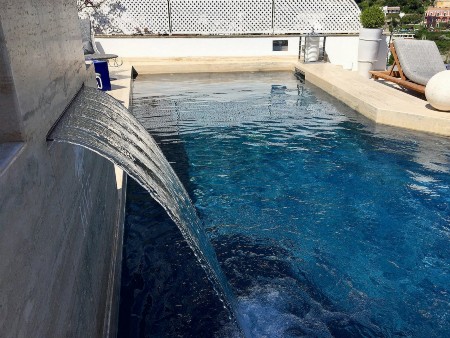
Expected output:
(104, 14)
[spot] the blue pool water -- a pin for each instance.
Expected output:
(324, 224)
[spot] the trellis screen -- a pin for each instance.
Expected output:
(221, 16)
(226, 17)
(321, 16)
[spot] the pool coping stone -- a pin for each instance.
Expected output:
(379, 101)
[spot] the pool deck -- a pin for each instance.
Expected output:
(210, 64)
(377, 100)
(122, 84)
(380, 101)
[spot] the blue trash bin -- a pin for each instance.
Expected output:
(102, 75)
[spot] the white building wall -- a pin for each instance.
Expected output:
(171, 47)
(341, 50)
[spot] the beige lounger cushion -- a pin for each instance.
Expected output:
(420, 59)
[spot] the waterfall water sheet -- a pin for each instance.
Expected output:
(98, 122)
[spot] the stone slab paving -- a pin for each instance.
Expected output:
(121, 86)
(210, 64)
(378, 101)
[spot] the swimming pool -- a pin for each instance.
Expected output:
(324, 223)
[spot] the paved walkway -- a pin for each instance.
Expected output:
(210, 64)
(380, 102)
(121, 86)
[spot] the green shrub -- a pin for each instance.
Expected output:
(372, 17)
(412, 18)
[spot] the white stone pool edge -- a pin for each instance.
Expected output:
(121, 90)
(377, 100)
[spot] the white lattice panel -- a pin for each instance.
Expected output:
(221, 16)
(209, 17)
(324, 16)
(146, 16)
(133, 17)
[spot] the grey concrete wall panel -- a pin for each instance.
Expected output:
(61, 214)
(42, 41)
(10, 127)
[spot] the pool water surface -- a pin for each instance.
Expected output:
(325, 224)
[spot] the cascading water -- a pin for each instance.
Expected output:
(100, 123)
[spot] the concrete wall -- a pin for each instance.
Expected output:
(60, 208)
(341, 50)
(169, 47)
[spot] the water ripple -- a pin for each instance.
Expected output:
(325, 223)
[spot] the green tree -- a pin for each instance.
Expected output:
(414, 18)
(406, 6)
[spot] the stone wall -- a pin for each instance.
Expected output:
(61, 213)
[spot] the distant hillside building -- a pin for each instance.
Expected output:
(442, 4)
(435, 16)
(391, 10)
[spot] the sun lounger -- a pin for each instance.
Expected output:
(415, 63)
(89, 48)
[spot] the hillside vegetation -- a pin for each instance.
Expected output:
(413, 20)
(407, 6)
